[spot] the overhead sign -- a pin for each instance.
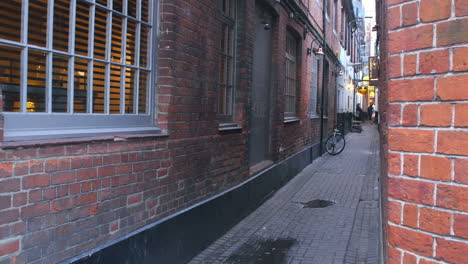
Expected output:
(373, 68)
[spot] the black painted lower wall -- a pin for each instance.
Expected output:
(179, 238)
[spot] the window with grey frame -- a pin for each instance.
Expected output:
(335, 15)
(75, 67)
(227, 56)
(291, 86)
(314, 85)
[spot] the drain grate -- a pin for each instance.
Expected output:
(317, 204)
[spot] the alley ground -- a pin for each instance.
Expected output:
(285, 229)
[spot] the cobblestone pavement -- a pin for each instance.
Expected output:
(284, 230)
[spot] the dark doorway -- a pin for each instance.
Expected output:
(259, 146)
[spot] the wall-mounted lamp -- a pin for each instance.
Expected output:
(317, 51)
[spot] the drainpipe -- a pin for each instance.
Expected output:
(324, 27)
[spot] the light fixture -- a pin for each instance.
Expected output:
(317, 51)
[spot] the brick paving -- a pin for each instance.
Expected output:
(282, 230)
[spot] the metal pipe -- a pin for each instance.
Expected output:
(324, 28)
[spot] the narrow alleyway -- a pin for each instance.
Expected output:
(287, 229)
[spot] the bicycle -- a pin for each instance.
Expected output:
(335, 143)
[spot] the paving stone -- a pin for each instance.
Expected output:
(283, 231)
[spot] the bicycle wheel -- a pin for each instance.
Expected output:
(335, 144)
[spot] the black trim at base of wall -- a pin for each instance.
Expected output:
(181, 237)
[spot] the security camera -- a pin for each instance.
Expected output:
(267, 26)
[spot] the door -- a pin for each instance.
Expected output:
(259, 146)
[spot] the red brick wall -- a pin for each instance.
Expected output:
(425, 123)
(59, 200)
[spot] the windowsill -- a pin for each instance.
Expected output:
(156, 133)
(314, 117)
(291, 119)
(229, 127)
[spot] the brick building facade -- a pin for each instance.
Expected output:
(154, 191)
(424, 64)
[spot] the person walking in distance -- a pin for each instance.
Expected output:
(358, 112)
(370, 111)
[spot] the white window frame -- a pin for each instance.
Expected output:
(25, 125)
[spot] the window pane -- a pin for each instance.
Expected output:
(115, 78)
(130, 84)
(143, 92)
(222, 69)
(100, 34)
(10, 20)
(36, 81)
(144, 49)
(10, 78)
(81, 86)
(82, 28)
(117, 5)
(99, 71)
(61, 24)
(131, 43)
(145, 10)
(132, 8)
(116, 39)
(59, 83)
(102, 2)
(37, 28)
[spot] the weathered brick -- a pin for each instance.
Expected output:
(410, 115)
(35, 210)
(411, 140)
(411, 90)
(62, 204)
(411, 191)
(434, 62)
(410, 215)
(452, 32)
(410, 64)
(36, 181)
(411, 165)
(6, 169)
(436, 168)
(435, 221)
(63, 177)
(394, 17)
(10, 185)
(460, 59)
(432, 10)
(460, 225)
(461, 170)
(394, 163)
(461, 115)
(394, 211)
(461, 8)
(5, 202)
(21, 168)
(452, 142)
(448, 88)
(9, 247)
(410, 240)
(409, 14)
(410, 39)
(86, 198)
(452, 251)
(452, 197)
(394, 115)
(393, 255)
(409, 259)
